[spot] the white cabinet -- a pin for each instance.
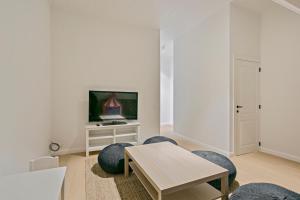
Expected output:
(99, 136)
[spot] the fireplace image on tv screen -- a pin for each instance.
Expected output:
(105, 105)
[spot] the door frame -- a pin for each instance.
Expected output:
(234, 103)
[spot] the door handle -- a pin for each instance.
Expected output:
(239, 106)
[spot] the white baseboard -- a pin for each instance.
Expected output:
(166, 124)
(280, 154)
(68, 151)
(206, 146)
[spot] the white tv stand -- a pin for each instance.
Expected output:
(99, 136)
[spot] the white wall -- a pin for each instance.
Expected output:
(202, 82)
(280, 47)
(245, 30)
(90, 53)
(24, 83)
(166, 82)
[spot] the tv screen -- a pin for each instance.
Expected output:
(109, 105)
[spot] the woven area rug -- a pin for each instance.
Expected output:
(103, 186)
(98, 182)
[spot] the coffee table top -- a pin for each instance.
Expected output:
(168, 166)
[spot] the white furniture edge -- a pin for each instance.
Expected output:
(94, 127)
(36, 185)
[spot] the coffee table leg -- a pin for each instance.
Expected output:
(126, 164)
(224, 187)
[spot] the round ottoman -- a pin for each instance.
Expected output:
(111, 158)
(158, 139)
(263, 191)
(222, 161)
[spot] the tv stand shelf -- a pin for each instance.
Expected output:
(98, 136)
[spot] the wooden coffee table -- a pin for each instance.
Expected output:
(170, 172)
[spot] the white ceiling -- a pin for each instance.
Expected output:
(171, 16)
(294, 2)
(262, 5)
(293, 5)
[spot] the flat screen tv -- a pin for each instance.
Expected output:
(110, 105)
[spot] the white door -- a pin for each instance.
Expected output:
(246, 106)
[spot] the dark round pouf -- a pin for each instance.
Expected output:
(263, 191)
(222, 161)
(111, 158)
(158, 139)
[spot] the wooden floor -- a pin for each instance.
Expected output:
(255, 167)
